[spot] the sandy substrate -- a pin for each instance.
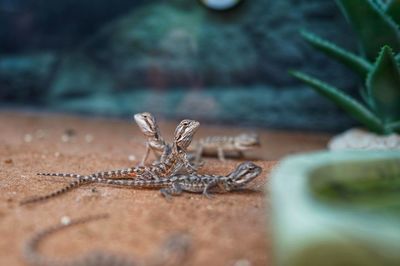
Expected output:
(229, 229)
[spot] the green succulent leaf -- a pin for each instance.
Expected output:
(393, 10)
(379, 4)
(393, 127)
(350, 105)
(383, 86)
(365, 97)
(372, 25)
(354, 62)
(397, 58)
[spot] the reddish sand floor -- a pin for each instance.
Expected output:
(229, 229)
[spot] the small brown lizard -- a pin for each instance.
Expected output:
(175, 184)
(173, 251)
(148, 125)
(174, 163)
(222, 144)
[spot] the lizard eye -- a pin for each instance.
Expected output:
(251, 166)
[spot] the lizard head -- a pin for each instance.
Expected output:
(147, 124)
(243, 174)
(184, 133)
(247, 141)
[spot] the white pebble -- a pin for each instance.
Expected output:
(242, 262)
(28, 138)
(40, 133)
(89, 138)
(131, 157)
(392, 141)
(65, 220)
(64, 138)
(356, 139)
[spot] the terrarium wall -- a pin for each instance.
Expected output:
(173, 58)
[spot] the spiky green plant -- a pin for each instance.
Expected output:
(376, 24)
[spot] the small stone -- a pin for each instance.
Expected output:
(242, 262)
(89, 138)
(357, 139)
(40, 134)
(65, 220)
(65, 138)
(57, 154)
(392, 141)
(131, 157)
(28, 138)
(8, 161)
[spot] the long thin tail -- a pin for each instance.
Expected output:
(30, 249)
(61, 175)
(119, 173)
(63, 190)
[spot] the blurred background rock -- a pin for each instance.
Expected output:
(175, 58)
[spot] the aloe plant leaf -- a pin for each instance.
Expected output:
(393, 10)
(373, 27)
(393, 127)
(379, 4)
(350, 105)
(383, 86)
(354, 62)
(397, 58)
(365, 97)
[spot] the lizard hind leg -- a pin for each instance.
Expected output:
(63, 190)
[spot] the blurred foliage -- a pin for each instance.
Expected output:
(375, 23)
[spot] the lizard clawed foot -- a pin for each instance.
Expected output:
(166, 194)
(207, 195)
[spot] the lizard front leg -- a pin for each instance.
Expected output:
(189, 167)
(199, 153)
(174, 190)
(207, 187)
(146, 155)
(221, 155)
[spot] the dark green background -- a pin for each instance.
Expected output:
(174, 58)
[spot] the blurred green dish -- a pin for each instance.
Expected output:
(337, 208)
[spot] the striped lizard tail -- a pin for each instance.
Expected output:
(30, 251)
(63, 190)
(120, 173)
